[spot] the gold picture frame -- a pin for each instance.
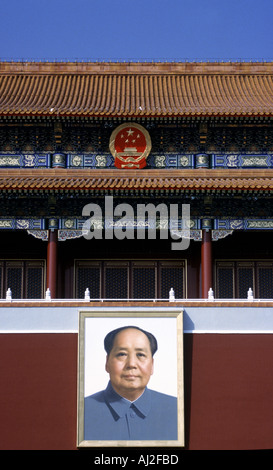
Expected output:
(168, 378)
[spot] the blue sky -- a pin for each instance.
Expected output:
(136, 30)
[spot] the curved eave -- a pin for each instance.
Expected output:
(130, 181)
(139, 116)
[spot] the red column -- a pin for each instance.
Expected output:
(51, 278)
(206, 262)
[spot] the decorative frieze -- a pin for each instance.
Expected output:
(24, 160)
(243, 224)
(195, 235)
(71, 228)
(22, 224)
(40, 234)
(91, 161)
(58, 160)
(156, 160)
(202, 160)
(242, 161)
(219, 234)
(74, 223)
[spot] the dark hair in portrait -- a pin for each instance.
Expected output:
(110, 338)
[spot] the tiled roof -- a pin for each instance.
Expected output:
(136, 89)
(123, 181)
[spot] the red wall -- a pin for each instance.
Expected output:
(38, 393)
(228, 391)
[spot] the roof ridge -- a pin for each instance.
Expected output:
(127, 68)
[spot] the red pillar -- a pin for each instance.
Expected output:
(206, 262)
(51, 278)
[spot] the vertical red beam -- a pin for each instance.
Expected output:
(206, 262)
(52, 247)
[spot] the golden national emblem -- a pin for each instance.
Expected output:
(130, 145)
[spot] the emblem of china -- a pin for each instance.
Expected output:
(130, 145)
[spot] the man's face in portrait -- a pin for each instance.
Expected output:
(130, 363)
